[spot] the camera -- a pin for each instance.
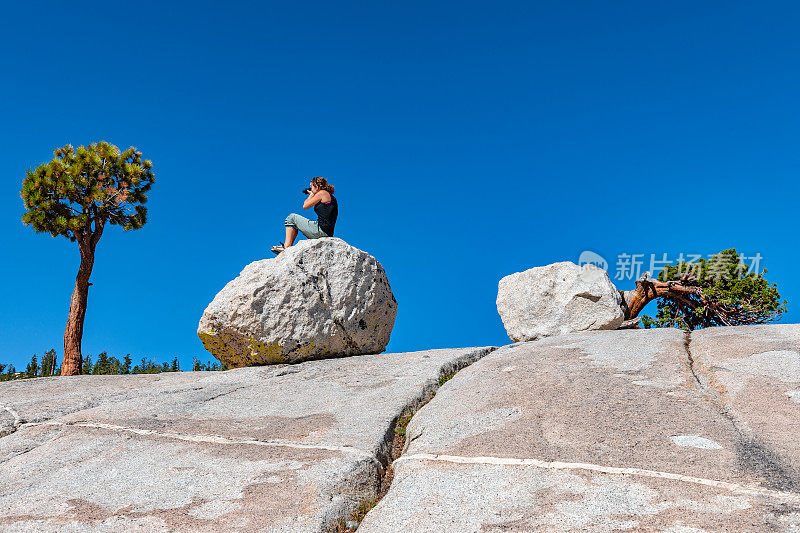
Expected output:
(307, 190)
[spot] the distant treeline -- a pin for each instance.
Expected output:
(105, 364)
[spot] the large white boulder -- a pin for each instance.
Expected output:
(557, 299)
(320, 298)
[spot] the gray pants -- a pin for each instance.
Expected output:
(309, 228)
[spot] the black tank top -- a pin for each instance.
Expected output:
(326, 215)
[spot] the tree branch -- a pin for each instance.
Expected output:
(688, 298)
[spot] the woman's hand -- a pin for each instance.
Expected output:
(315, 196)
(313, 199)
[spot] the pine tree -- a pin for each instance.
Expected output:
(176, 367)
(75, 195)
(196, 365)
(149, 366)
(103, 365)
(87, 365)
(126, 364)
(49, 363)
(33, 368)
(10, 371)
(711, 292)
(114, 366)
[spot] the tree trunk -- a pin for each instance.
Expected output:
(688, 296)
(73, 360)
(648, 289)
(634, 301)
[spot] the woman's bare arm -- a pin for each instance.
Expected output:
(314, 199)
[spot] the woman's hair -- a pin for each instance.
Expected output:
(323, 184)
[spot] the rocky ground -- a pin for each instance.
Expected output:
(278, 448)
(632, 430)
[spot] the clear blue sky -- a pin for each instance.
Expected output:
(466, 141)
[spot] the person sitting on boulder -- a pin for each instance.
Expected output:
(321, 198)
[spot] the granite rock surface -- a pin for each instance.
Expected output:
(627, 430)
(278, 448)
(630, 430)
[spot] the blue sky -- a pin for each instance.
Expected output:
(466, 141)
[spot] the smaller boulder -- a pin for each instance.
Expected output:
(557, 299)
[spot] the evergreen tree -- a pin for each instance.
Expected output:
(711, 292)
(33, 368)
(103, 364)
(149, 366)
(176, 367)
(87, 365)
(114, 366)
(196, 365)
(5, 376)
(126, 364)
(75, 195)
(49, 363)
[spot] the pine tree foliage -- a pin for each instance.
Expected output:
(720, 291)
(33, 367)
(81, 189)
(49, 363)
(8, 372)
(126, 364)
(199, 366)
(105, 364)
(75, 195)
(87, 365)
